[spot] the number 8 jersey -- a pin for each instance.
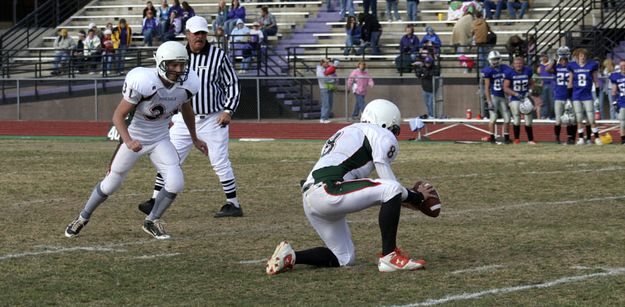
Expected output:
(155, 103)
(352, 151)
(618, 80)
(582, 79)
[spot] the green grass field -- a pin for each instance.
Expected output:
(521, 225)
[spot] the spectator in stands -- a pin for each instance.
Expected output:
(235, 13)
(187, 12)
(371, 30)
(176, 6)
(108, 50)
(63, 45)
(391, 8)
(517, 5)
(426, 73)
(222, 15)
(218, 38)
(96, 30)
(608, 4)
(480, 30)
(149, 7)
(516, 46)
(489, 5)
(433, 38)
(267, 23)
(149, 28)
(240, 37)
(461, 33)
(359, 80)
(78, 54)
(163, 19)
(257, 39)
(175, 26)
(545, 72)
(122, 38)
(92, 50)
(325, 94)
(536, 93)
(412, 7)
(531, 49)
(352, 34)
(373, 4)
(346, 5)
(409, 43)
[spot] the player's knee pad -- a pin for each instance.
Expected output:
(516, 120)
(392, 188)
(223, 170)
(112, 182)
(347, 259)
(174, 180)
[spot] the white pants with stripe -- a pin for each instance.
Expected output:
(584, 109)
(209, 131)
(327, 212)
(163, 156)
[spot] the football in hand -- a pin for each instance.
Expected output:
(430, 206)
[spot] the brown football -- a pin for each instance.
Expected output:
(430, 206)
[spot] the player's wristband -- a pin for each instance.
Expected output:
(414, 197)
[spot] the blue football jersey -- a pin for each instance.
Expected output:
(496, 76)
(582, 79)
(560, 89)
(519, 81)
(618, 80)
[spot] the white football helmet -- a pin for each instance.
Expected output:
(172, 51)
(494, 57)
(563, 52)
(382, 113)
(526, 106)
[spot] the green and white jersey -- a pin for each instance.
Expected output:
(353, 152)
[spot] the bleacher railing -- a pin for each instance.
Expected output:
(565, 16)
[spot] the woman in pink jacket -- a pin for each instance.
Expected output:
(358, 82)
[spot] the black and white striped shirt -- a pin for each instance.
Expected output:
(219, 83)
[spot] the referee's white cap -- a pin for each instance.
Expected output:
(197, 24)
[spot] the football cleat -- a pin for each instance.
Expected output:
(588, 142)
(229, 210)
(517, 141)
(531, 143)
(155, 228)
(283, 258)
(146, 206)
(396, 261)
(580, 141)
(74, 227)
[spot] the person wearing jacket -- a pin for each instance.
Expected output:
(371, 32)
(235, 13)
(409, 43)
(426, 73)
(359, 80)
(92, 50)
(433, 39)
(122, 38)
(63, 44)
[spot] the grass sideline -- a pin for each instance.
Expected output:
(520, 225)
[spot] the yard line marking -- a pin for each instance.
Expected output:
(560, 281)
(156, 255)
(480, 269)
(253, 261)
(62, 250)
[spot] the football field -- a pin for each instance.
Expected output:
(520, 226)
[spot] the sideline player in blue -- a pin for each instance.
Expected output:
(560, 90)
(618, 93)
(517, 85)
(584, 74)
(494, 76)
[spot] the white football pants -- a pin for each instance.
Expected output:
(326, 209)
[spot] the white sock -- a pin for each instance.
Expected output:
(234, 201)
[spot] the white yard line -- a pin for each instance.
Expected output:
(485, 268)
(156, 255)
(496, 291)
(253, 261)
(61, 250)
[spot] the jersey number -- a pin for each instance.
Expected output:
(156, 112)
(330, 143)
(520, 85)
(561, 78)
(497, 85)
(621, 89)
(581, 80)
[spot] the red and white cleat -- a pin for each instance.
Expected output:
(283, 258)
(396, 261)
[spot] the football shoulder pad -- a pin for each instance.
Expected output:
(140, 82)
(192, 84)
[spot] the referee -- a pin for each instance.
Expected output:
(214, 104)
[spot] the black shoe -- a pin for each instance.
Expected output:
(155, 228)
(229, 210)
(558, 141)
(73, 229)
(570, 142)
(146, 207)
(507, 141)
